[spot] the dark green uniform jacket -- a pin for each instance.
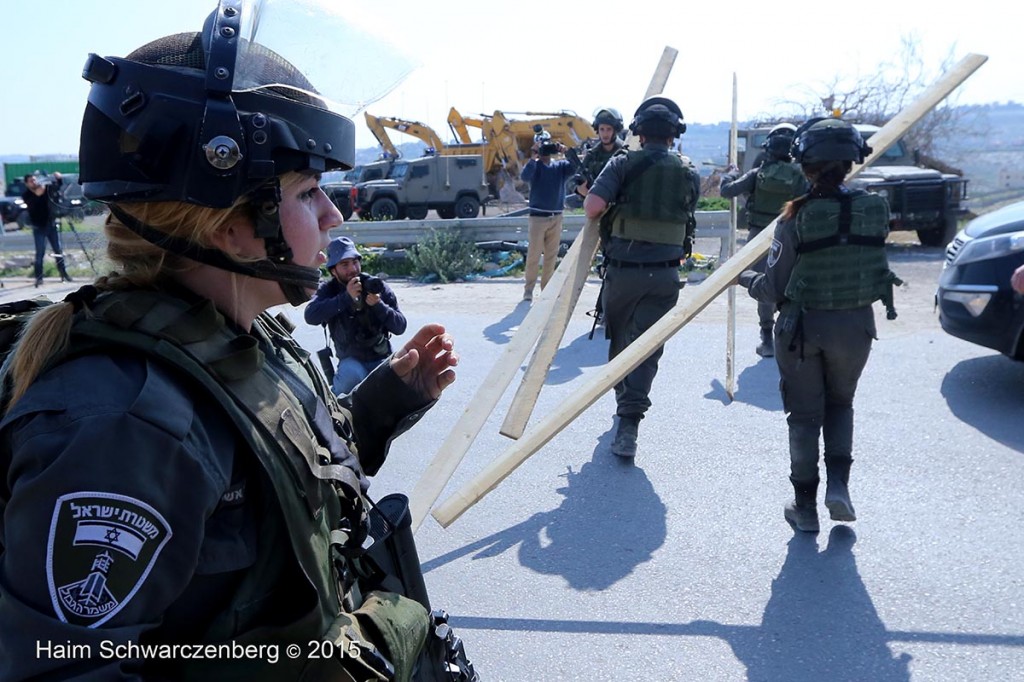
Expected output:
(174, 480)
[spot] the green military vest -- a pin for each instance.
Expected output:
(657, 199)
(776, 183)
(841, 261)
(597, 158)
(321, 502)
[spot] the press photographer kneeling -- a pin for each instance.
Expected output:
(359, 311)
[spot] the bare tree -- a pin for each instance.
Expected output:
(878, 97)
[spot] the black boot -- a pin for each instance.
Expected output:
(766, 348)
(624, 444)
(837, 495)
(802, 512)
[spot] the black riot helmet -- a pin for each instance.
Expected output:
(608, 116)
(658, 117)
(780, 140)
(828, 139)
(213, 117)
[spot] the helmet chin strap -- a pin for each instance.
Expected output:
(295, 281)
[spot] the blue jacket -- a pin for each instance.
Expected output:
(357, 332)
(547, 185)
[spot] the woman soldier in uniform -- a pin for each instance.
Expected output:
(827, 265)
(174, 469)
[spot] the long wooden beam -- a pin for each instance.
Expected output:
(730, 318)
(551, 338)
(480, 407)
(595, 386)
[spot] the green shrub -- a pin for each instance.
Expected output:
(394, 265)
(445, 254)
(712, 204)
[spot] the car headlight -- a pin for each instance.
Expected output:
(884, 193)
(986, 248)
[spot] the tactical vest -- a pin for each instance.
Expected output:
(597, 158)
(656, 201)
(841, 261)
(321, 503)
(776, 183)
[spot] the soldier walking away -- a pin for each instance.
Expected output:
(39, 197)
(768, 186)
(826, 267)
(646, 200)
(176, 472)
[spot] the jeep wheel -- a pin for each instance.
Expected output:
(467, 207)
(417, 212)
(446, 212)
(940, 235)
(384, 209)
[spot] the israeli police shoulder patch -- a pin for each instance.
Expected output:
(774, 253)
(100, 551)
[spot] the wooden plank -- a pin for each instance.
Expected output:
(537, 371)
(595, 386)
(656, 86)
(480, 407)
(730, 324)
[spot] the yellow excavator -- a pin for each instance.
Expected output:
(504, 143)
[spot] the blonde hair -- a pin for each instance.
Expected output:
(140, 265)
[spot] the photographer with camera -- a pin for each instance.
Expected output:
(547, 180)
(360, 313)
(40, 195)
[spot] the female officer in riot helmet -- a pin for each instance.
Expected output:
(826, 267)
(175, 470)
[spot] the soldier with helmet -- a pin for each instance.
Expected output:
(607, 124)
(773, 181)
(176, 472)
(646, 200)
(826, 267)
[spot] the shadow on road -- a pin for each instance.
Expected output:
(582, 352)
(499, 332)
(819, 624)
(986, 393)
(756, 385)
(610, 521)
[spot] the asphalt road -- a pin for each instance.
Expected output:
(681, 567)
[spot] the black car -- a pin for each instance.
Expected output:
(13, 210)
(976, 302)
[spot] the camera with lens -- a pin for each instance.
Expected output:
(371, 284)
(542, 138)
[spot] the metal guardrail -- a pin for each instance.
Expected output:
(399, 233)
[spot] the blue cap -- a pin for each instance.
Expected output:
(339, 249)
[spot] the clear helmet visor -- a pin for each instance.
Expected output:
(340, 62)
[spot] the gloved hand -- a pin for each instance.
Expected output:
(747, 278)
(687, 247)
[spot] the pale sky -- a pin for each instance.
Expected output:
(535, 56)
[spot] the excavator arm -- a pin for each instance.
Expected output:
(378, 126)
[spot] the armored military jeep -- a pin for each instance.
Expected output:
(921, 199)
(454, 186)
